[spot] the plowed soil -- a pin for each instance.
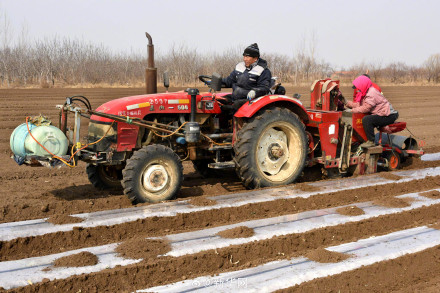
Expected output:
(33, 193)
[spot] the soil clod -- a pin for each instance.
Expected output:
(64, 219)
(431, 194)
(325, 256)
(306, 187)
(238, 232)
(390, 176)
(350, 211)
(202, 201)
(81, 259)
(393, 202)
(137, 248)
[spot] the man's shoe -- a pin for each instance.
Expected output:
(368, 144)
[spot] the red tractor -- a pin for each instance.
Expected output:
(141, 141)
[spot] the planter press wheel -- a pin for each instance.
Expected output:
(394, 160)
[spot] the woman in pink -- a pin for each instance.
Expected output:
(371, 101)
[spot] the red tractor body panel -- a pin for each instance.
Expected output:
(321, 95)
(142, 105)
(358, 126)
(328, 129)
(249, 109)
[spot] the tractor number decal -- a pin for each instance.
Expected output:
(137, 106)
(182, 107)
(359, 121)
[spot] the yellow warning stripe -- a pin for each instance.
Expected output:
(180, 101)
(137, 106)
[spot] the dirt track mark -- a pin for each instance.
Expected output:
(159, 226)
(168, 269)
(416, 272)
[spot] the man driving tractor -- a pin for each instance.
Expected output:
(249, 80)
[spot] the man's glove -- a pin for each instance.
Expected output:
(251, 95)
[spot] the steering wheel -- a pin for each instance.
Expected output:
(206, 79)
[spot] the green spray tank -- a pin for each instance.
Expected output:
(50, 137)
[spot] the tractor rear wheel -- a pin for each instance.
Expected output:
(271, 149)
(104, 177)
(153, 174)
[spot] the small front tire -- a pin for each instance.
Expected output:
(153, 174)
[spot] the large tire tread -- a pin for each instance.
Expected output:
(246, 138)
(133, 172)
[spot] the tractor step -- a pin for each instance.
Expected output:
(220, 147)
(222, 165)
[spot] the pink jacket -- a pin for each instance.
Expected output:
(372, 100)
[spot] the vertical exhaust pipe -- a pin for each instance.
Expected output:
(151, 71)
(192, 128)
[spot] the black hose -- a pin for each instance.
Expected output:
(86, 103)
(79, 100)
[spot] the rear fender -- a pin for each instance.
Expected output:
(248, 110)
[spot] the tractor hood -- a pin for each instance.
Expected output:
(140, 106)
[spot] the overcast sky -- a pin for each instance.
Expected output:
(345, 32)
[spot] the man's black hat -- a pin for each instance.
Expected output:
(252, 51)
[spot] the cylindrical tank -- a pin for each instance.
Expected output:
(52, 138)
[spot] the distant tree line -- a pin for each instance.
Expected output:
(70, 62)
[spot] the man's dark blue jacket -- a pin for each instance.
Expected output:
(242, 79)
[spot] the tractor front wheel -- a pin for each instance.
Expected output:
(104, 177)
(270, 149)
(153, 174)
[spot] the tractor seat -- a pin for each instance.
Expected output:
(393, 128)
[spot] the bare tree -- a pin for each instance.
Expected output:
(432, 66)
(396, 72)
(375, 70)
(61, 61)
